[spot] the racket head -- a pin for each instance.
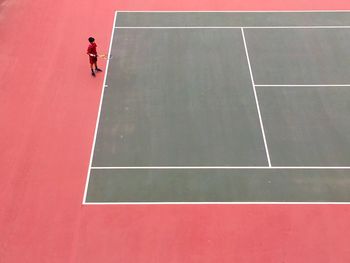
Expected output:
(103, 56)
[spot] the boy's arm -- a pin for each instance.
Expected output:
(89, 52)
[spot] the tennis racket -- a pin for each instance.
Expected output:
(104, 56)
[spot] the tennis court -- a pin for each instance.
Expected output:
(224, 107)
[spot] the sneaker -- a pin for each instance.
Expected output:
(93, 74)
(98, 69)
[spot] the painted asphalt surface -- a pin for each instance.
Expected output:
(48, 116)
(180, 97)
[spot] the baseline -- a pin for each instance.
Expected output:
(222, 167)
(232, 27)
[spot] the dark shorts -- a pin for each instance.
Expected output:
(93, 60)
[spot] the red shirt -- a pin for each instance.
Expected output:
(92, 49)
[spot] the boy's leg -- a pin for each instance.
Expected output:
(97, 69)
(92, 70)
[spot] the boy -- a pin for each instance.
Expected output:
(91, 51)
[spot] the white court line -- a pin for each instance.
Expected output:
(256, 98)
(306, 85)
(232, 27)
(217, 203)
(221, 168)
(235, 11)
(99, 110)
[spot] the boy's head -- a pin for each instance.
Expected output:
(91, 40)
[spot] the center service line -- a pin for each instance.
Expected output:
(256, 98)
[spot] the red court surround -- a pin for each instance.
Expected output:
(48, 110)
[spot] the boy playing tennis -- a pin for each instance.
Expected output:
(91, 51)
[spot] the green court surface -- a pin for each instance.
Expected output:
(224, 107)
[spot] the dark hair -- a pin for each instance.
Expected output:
(91, 39)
